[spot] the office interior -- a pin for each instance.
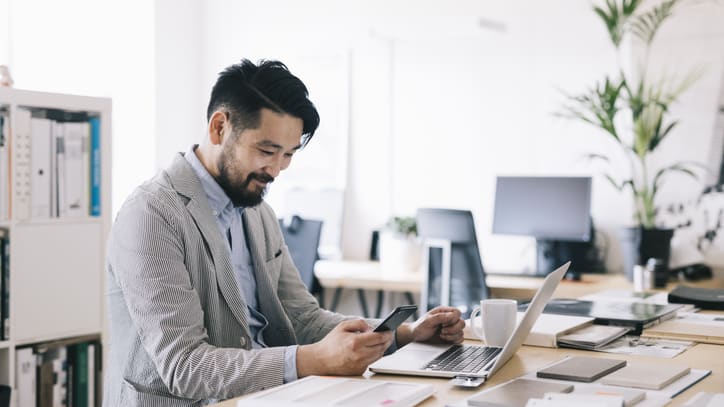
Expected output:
(423, 103)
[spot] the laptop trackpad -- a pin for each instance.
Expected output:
(412, 356)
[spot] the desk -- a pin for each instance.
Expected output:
(531, 358)
(369, 276)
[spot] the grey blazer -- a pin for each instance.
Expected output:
(178, 329)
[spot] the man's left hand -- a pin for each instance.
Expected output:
(439, 325)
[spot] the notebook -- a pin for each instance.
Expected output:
(516, 393)
(581, 369)
(592, 337)
(646, 376)
(421, 359)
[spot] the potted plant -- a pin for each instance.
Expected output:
(400, 250)
(632, 109)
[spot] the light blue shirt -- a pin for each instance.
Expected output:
(229, 220)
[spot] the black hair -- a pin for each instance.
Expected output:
(243, 89)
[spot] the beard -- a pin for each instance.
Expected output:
(241, 193)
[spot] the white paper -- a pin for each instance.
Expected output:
(633, 345)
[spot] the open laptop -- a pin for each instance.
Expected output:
(470, 361)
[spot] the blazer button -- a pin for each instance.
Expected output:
(243, 341)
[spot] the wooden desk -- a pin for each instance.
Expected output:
(368, 275)
(530, 359)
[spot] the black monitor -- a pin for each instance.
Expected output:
(553, 210)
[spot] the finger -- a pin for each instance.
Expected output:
(443, 319)
(354, 325)
(375, 338)
(445, 309)
(457, 327)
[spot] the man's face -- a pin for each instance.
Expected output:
(251, 160)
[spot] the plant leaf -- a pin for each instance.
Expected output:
(645, 26)
(678, 167)
(615, 19)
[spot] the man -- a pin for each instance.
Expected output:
(205, 302)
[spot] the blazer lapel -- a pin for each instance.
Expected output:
(269, 303)
(184, 180)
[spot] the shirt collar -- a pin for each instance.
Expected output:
(218, 200)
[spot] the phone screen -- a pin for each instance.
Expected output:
(395, 318)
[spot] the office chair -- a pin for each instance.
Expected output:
(455, 274)
(302, 238)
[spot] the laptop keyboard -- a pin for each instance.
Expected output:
(463, 358)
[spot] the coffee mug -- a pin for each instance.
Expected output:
(497, 320)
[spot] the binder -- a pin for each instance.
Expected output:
(40, 160)
(20, 204)
(95, 166)
(25, 377)
(60, 187)
(4, 165)
(74, 176)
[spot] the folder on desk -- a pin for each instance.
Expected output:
(704, 328)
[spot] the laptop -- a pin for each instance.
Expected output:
(469, 361)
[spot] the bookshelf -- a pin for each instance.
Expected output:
(55, 194)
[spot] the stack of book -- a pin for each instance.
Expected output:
(61, 373)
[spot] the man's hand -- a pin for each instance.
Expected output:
(439, 325)
(346, 350)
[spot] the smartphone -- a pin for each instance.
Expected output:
(395, 318)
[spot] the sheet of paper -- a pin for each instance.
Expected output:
(633, 345)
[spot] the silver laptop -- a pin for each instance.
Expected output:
(478, 361)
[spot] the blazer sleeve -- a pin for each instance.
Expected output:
(146, 259)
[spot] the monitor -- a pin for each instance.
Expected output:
(553, 210)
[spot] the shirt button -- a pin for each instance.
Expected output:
(243, 341)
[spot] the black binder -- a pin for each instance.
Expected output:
(704, 298)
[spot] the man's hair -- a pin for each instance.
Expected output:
(243, 89)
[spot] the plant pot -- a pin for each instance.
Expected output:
(399, 253)
(639, 244)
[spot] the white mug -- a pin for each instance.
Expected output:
(498, 319)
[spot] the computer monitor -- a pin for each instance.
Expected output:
(553, 210)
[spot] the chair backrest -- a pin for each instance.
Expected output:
(466, 278)
(302, 238)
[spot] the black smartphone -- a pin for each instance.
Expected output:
(395, 318)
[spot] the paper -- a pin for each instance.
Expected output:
(314, 391)
(633, 345)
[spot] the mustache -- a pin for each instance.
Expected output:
(266, 178)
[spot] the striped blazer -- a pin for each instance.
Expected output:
(178, 329)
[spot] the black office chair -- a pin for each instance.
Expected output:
(302, 238)
(439, 227)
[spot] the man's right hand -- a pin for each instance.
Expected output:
(346, 350)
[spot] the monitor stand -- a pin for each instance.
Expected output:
(549, 257)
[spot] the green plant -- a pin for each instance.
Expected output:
(405, 225)
(633, 111)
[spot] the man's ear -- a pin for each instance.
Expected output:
(217, 127)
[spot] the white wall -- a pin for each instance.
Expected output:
(96, 48)
(439, 106)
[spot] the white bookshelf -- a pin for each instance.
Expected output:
(56, 264)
